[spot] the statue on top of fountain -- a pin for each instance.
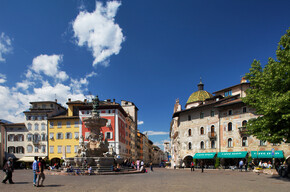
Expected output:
(96, 146)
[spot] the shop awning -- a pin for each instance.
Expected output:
(267, 154)
(26, 159)
(239, 154)
(204, 156)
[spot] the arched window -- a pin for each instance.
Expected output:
(29, 126)
(230, 142)
(244, 141)
(42, 126)
(43, 137)
(212, 144)
(202, 145)
(230, 126)
(244, 123)
(189, 132)
(202, 131)
(189, 145)
(212, 129)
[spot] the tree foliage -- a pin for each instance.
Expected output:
(270, 95)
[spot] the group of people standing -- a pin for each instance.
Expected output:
(38, 166)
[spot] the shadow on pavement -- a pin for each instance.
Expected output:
(277, 177)
(53, 185)
(21, 182)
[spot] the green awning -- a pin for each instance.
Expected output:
(267, 154)
(239, 154)
(204, 156)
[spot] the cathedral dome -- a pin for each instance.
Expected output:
(199, 95)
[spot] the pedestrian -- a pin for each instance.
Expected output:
(35, 169)
(8, 168)
(246, 166)
(201, 165)
(151, 166)
(183, 165)
(41, 175)
(174, 165)
(241, 164)
(192, 166)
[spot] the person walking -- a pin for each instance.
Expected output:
(35, 169)
(192, 166)
(201, 165)
(151, 166)
(9, 168)
(246, 166)
(41, 175)
(241, 164)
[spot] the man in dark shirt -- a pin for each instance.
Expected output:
(41, 175)
(8, 167)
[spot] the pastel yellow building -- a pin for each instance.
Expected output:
(63, 134)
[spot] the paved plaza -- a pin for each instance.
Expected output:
(160, 180)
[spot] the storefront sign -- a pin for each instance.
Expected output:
(239, 154)
(267, 154)
(204, 155)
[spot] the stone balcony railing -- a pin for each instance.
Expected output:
(212, 135)
(243, 131)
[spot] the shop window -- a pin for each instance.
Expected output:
(230, 126)
(189, 145)
(244, 141)
(189, 132)
(230, 142)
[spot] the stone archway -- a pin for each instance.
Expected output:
(187, 160)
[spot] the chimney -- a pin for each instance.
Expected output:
(114, 101)
(69, 99)
(243, 80)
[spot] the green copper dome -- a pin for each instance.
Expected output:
(200, 95)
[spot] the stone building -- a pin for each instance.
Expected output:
(215, 126)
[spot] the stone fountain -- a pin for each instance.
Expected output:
(96, 151)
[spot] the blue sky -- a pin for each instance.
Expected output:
(148, 52)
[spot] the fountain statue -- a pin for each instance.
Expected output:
(96, 151)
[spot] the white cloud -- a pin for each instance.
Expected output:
(156, 132)
(98, 31)
(5, 46)
(2, 78)
(140, 122)
(49, 65)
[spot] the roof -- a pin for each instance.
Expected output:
(63, 117)
(14, 124)
(230, 87)
(200, 95)
(230, 103)
(39, 111)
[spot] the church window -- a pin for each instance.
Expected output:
(230, 142)
(202, 131)
(230, 126)
(202, 145)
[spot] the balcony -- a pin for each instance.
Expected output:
(243, 131)
(212, 135)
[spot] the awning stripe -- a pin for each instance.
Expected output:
(204, 155)
(238, 154)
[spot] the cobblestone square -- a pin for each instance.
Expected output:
(159, 180)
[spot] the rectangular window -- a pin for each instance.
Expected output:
(51, 149)
(29, 149)
(68, 135)
(230, 112)
(43, 127)
(68, 124)
(59, 136)
(87, 134)
(36, 149)
(36, 127)
(68, 147)
(43, 148)
(43, 137)
(59, 149)
(76, 148)
(76, 124)
(262, 143)
(76, 135)
(29, 137)
(201, 115)
(58, 124)
(212, 113)
(189, 118)
(51, 135)
(51, 125)
(244, 109)
(109, 135)
(228, 93)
